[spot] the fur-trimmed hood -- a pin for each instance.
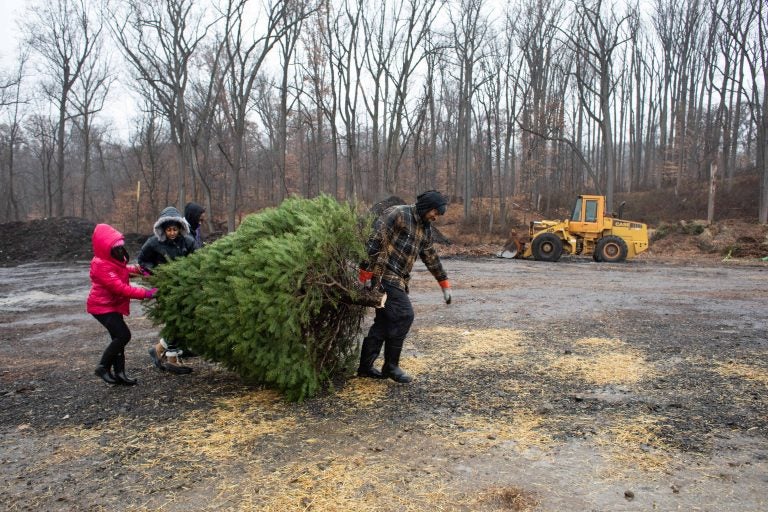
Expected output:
(170, 214)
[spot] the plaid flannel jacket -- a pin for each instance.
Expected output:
(399, 235)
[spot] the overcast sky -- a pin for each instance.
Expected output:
(12, 10)
(118, 110)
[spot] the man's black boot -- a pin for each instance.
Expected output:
(396, 374)
(371, 373)
(368, 354)
(391, 370)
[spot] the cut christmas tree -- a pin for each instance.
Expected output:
(277, 301)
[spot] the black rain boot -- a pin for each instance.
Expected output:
(368, 354)
(107, 360)
(103, 372)
(391, 370)
(120, 375)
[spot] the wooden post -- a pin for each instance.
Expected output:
(712, 190)
(138, 200)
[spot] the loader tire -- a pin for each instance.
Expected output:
(611, 249)
(547, 247)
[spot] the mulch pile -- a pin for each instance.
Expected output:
(53, 239)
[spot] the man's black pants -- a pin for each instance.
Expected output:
(390, 327)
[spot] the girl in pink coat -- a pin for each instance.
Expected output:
(109, 299)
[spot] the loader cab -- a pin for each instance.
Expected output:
(588, 214)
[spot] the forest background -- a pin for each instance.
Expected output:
(505, 106)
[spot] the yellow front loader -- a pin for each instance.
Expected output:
(588, 231)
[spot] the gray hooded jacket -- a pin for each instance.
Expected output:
(158, 248)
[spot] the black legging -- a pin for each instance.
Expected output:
(120, 334)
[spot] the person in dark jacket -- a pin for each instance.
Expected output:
(170, 241)
(193, 212)
(400, 234)
(109, 299)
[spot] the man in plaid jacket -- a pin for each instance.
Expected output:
(400, 234)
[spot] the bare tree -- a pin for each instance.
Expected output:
(89, 93)
(288, 41)
(318, 100)
(665, 21)
(428, 157)
(417, 18)
(63, 35)
(245, 49)
(689, 60)
(510, 83)
(749, 33)
(9, 85)
(203, 107)
(678, 27)
(435, 51)
(347, 60)
(469, 30)
(12, 100)
(42, 132)
(380, 47)
(158, 38)
(760, 112)
(593, 44)
(146, 147)
(331, 107)
(640, 53)
(537, 27)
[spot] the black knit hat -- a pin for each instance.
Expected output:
(429, 200)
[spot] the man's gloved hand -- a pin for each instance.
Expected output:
(446, 286)
(150, 293)
(364, 276)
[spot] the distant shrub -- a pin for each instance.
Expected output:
(684, 228)
(662, 231)
(692, 228)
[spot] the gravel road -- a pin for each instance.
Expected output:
(549, 387)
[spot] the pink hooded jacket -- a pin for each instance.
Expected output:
(111, 292)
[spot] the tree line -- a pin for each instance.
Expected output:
(241, 103)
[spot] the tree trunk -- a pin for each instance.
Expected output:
(712, 190)
(86, 161)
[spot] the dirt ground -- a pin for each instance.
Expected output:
(548, 387)
(568, 386)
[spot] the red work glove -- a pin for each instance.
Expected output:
(150, 293)
(364, 276)
(446, 286)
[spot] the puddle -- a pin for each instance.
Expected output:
(49, 319)
(16, 283)
(67, 331)
(25, 301)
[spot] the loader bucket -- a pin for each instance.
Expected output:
(512, 249)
